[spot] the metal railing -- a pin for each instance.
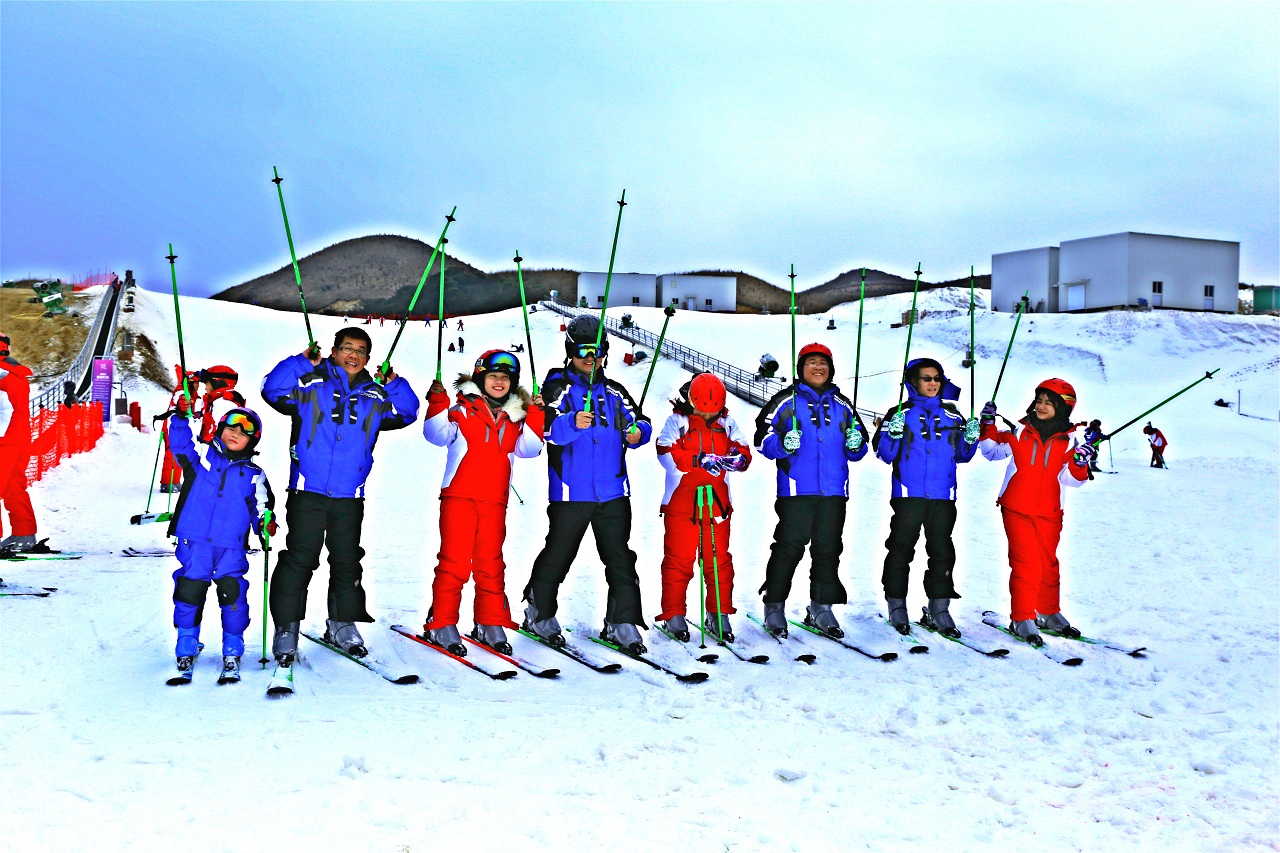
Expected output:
(99, 341)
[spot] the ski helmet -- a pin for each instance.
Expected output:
(580, 337)
(4, 344)
(1062, 389)
(219, 376)
(815, 349)
(706, 393)
(245, 420)
(497, 361)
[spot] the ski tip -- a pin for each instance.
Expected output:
(997, 653)
(889, 656)
(1073, 661)
(919, 650)
(547, 673)
(611, 667)
(279, 691)
(708, 658)
(758, 659)
(405, 679)
(806, 658)
(504, 675)
(692, 678)
(177, 680)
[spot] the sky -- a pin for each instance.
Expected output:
(746, 136)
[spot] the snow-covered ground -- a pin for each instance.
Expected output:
(948, 750)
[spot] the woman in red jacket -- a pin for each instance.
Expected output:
(1043, 461)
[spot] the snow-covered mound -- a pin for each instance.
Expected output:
(946, 750)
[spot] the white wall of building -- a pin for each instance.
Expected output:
(626, 289)
(1185, 266)
(699, 292)
(1099, 267)
(1016, 273)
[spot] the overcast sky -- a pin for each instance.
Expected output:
(747, 136)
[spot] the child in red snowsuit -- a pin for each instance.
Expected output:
(1043, 461)
(15, 449)
(1158, 443)
(492, 421)
(697, 446)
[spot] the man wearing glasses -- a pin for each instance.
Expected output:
(924, 439)
(337, 409)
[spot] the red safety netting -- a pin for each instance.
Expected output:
(94, 280)
(61, 432)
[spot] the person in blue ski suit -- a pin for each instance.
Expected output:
(924, 438)
(224, 496)
(812, 432)
(587, 469)
(338, 412)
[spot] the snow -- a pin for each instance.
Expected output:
(946, 750)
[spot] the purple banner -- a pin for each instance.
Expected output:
(104, 370)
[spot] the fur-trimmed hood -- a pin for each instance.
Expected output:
(518, 398)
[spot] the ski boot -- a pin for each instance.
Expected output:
(18, 544)
(775, 619)
(677, 627)
(1056, 623)
(547, 629)
(898, 616)
(935, 616)
(717, 625)
(284, 645)
(624, 635)
(345, 636)
(447, 638)
(820, 616)
(1026, 630)
(492, 636)
(230, 670)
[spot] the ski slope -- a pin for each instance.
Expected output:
(948, 750)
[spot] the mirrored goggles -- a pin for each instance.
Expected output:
(587, 351)
(501, 362)
(242, 422)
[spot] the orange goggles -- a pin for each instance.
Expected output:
(242, 422)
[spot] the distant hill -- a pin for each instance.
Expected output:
(378, 275)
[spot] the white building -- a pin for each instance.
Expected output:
(1117, 270)
(626, 289)
(699, 292)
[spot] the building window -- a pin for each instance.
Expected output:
(635, 300)
(1157, 287)
(675, 300)
(600, 298)
(1208, 291)
(708, 303)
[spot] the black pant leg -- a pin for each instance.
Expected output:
(346, 592)
(826, 548)
(904, 532)
(611, 525)
(939, 521)
(305, 522)
(566, 525)
(790, 537)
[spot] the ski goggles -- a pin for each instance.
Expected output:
(499, 362)
(242, 422)
(588, 350)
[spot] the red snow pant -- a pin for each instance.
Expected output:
(471, 536)
(680, 549)
(1033, 559)
(170, 470)
(13, 490)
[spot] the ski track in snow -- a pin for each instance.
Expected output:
(1175, 751)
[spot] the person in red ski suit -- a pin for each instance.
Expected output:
(492, 421)
(1158, 443)
(1044, 459)
(220, 396)
(15, 449)
(698, 444)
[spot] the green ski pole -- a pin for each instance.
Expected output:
(608, 280)
(177, 315)
(795, 379)
(911, 327)
(1107, 437)
(715, 564)
(293, 255)
(670, 311)
(524, 312)
(386, 364)
(154, 469)
(702, 580)
(440, 316)
(857, 365)
(973, 379)
(1009, 348)
(266, 559)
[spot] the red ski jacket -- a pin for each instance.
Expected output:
(15, 403)
(681, 444)
(1039, 472)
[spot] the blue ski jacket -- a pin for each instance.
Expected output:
(222, 498)
(924, 460)
(335, 422)
(821, 465)
(589, 464)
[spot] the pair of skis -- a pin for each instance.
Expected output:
(281, 683)
(1059, 654)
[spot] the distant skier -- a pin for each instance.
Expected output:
(811, 431)
(1158, 444)
(925, 438)
(225, 496)
(461, 343)
(460, 328)
(1043, 460)
(15, 449)
(492, 421)
(1093, 435)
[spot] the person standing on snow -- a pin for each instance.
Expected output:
(812, 431)
(1043, 460)
(338, 411)
(924, 439)
(225, 494)
(1093, 435)
(15, 450)
(698, 444)
(587, 468)
(1158, 443)
(492, 421)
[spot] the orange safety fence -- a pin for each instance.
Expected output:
(61, 432)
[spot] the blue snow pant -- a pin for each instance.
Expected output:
(203, 565)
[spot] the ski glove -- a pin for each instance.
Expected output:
(733, 461)
(988, 414)
(712, 464)
(896, 424)
(971, 430)
(791, 441)
(1085, 454)
(853, 438)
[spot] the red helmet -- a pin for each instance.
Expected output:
(219, 376)
(1062, 388)
(706, 393)
(815, 349)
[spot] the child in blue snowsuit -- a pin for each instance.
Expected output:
(224, 496)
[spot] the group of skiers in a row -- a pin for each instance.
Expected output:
(589, 423)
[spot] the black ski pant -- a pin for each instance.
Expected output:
(314, 521)
(815, 521)
(610, 522)
(938, 518)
